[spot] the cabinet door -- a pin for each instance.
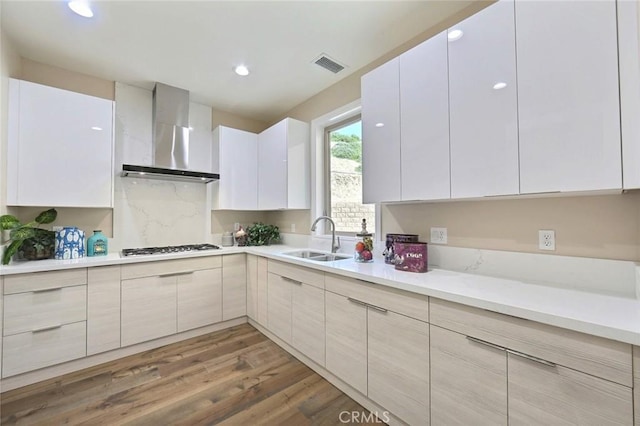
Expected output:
(398, 367)
(424, 121)
(381, 134)
(484, 114)
(148, 309)
(199, 299)
(568, 97)
(307, 334)
(549, 395)
(60, 148)
(272, 167)
(279, 307)
(263, 301)
(298, 173)
(236, 159)
(103, 309)
(252, 287)
(468, 381)
(234, 286)
(346, 340)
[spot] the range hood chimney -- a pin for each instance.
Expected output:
(170, 139)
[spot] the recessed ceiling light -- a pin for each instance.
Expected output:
(96, 128)
(379, 124)
(242, 70)
(499, 85)
(454, 35)
(81, 7)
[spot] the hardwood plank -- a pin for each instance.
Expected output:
(232, 376)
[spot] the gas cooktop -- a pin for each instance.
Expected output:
(168, 249)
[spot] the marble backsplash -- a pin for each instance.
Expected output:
(150, 212)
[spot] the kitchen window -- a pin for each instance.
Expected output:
(343, 177)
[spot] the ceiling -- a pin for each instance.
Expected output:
(195, 44)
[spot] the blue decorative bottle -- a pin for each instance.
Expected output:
(97, 244)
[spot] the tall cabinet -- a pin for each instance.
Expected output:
(381, 134)
(424, 121)
(568, 96)
(483, 104)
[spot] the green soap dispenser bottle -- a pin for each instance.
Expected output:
(97, 244)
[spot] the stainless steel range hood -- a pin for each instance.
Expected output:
(170, 139)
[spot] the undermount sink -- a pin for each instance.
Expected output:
(317, 256)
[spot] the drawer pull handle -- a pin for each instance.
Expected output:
(176, 274)
(356, 301)
(51, 327)
(532, 358)
(291, 280)
(378, 308)
(47, 290)
(484, 343)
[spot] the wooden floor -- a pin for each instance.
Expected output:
(235, 377)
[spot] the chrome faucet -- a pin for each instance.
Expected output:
(334, 246)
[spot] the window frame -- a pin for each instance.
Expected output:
(327, 165)
(318, 186)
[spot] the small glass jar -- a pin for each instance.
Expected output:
(364, 245)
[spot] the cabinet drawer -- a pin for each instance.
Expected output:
(412, 305)
(297, 273)
(44, 280)
(29, 351)
(166, 267)
(41, 309)
(597, 356)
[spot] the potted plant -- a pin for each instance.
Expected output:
(260, 234)
(33, 242)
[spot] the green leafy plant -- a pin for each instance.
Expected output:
(28, 236)
(260, 234)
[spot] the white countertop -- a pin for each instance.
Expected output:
(612, 317)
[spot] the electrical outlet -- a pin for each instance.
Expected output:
(546, 239)
(439, 235)
(293, 227)
(236, 226)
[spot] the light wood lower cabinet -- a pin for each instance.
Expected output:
(551, 395)
(148, 308)
(308, 321)
(279, 306)
(199, 299)
(103, 309)
(468, 381)
(636, 384)
(346, 340)
(252, 287)
(257, 289)
(234, 287)
(398, 365)
(41, 348)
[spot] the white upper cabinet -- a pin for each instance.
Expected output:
(424, 122)
(483, 104)
(629, 51)
(381, 134)
(235, 158)
(60, 150)
(568, 96)
(283, 166)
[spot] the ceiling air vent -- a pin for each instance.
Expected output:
(329, 64)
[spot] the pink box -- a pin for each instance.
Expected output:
(411, 257)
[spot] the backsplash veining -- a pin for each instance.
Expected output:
(152, 212)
